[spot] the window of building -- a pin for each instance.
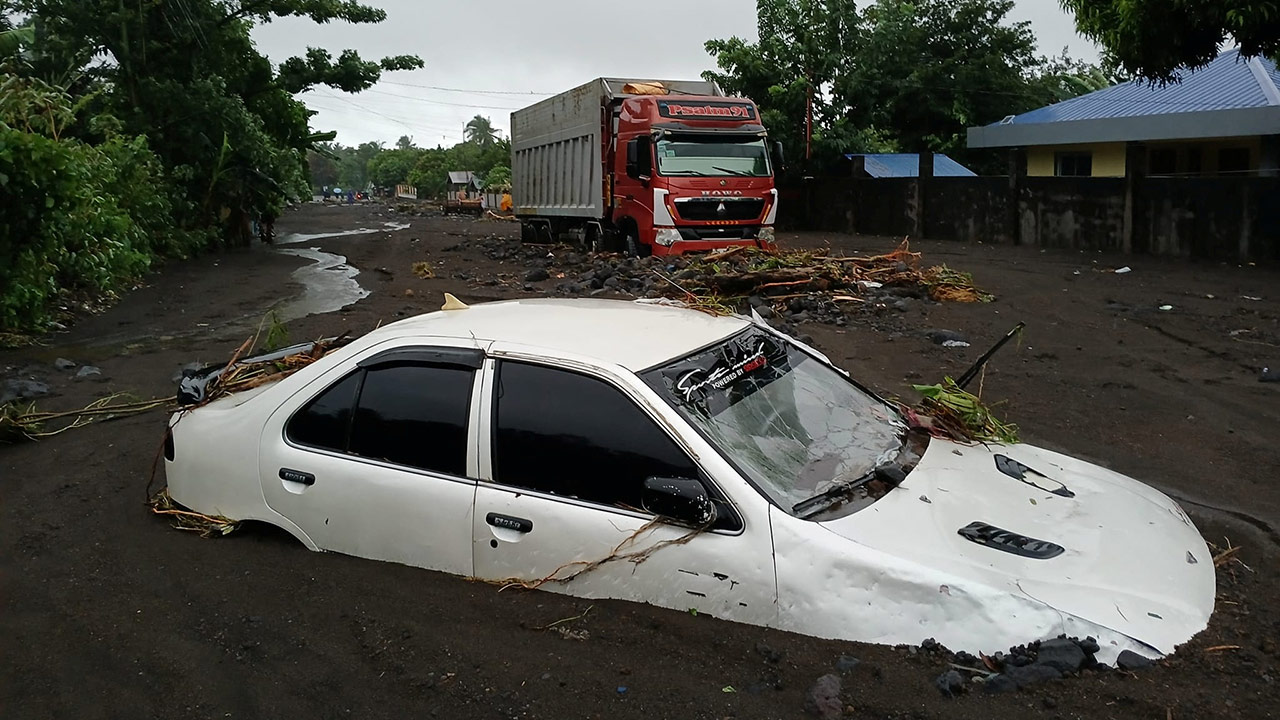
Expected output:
(1233, 160)
(569, 434)
(1162, 161)
(1195, 161)
(1073, 164)
(408, 414)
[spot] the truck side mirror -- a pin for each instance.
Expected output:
(777, 157)
(639, 158)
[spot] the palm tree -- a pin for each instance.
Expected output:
(480, 131)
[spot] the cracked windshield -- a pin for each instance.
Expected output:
(796, 427)
(744, 155)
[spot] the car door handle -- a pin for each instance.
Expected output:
(297, 476)
(509, 522)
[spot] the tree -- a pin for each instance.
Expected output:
(405, 142)
(1153, 39)
(897, 75)
(802, 48)
(929, 69)
(480, 131)
(392, 167)
(224, 123)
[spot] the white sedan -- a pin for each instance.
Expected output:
(608, 449)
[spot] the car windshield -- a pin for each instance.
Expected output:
(794, 425)
(713, 155)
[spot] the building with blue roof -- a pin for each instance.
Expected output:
(1222, 119)
(882, 165)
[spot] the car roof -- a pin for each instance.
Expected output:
(635, 335)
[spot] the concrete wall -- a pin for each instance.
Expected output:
(1233, 219)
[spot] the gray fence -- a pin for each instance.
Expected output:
(1220, 218)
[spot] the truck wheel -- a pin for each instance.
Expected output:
(634, 247)
(526, 232)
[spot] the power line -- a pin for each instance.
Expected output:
(396, 120)
(460, 90)
(441, 102)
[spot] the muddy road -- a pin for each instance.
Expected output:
(106, 611)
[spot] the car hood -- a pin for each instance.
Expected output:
(1130, 560)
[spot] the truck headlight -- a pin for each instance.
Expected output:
(666, 236)
(765, 234)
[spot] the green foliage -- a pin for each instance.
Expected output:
(1154, 39)
(498, 178)
(392, 167)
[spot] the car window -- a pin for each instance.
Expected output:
(414, 415)
(405, 413)
(325, 421)
(569, 434)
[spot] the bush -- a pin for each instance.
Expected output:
(68, 227)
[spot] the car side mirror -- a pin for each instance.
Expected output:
(680, 499)
(778, 158)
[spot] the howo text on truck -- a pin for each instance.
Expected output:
(648, 167)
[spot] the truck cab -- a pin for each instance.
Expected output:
(691, 173)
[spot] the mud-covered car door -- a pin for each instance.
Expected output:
(375, 458)
(560, 507)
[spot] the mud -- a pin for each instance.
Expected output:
(105, 611)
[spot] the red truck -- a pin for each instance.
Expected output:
(649, 167)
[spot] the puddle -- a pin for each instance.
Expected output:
(328, 284)
(295, 238)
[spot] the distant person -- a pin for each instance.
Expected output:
(325, 191)
(351, 196)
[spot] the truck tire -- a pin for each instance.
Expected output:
(635, 248)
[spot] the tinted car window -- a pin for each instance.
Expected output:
(569, 434)
(415, 415)
(324, 421)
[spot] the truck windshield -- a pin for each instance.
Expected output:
(713, 155)
(792, 424)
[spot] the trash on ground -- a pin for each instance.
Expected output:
(1123, 270)
(1166, 307)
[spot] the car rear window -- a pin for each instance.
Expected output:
(406, 413)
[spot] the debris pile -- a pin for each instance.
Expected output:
(791, 286)
(1022, 666)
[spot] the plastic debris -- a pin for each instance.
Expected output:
(1123, 270)
(1166, 307)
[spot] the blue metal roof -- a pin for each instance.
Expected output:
(1226, 83)
(908, 165)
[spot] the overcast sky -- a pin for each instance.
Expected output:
(492, 57)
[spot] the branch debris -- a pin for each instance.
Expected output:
(18, 423)
(946, 411)
(207, 525)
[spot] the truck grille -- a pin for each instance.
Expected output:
(720, 208)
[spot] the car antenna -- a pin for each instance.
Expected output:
(453, 303)
(973, 371)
